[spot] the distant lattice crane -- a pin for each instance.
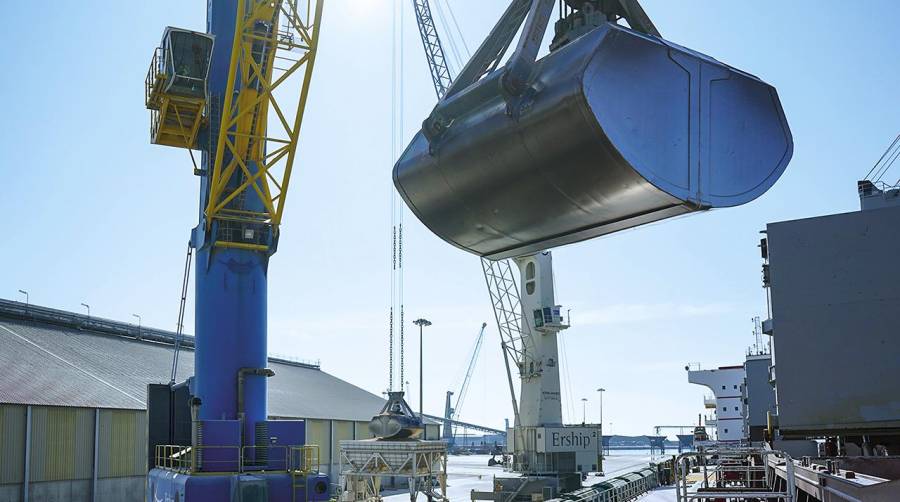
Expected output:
(452, 412)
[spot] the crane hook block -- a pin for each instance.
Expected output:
(617, 129)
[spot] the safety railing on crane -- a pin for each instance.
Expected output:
(175, 116)
(302, 459)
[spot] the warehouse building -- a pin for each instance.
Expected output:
(73, 422)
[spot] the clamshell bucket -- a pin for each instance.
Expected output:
(618, 129)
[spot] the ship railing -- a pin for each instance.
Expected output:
(732, 472)
(883, 186)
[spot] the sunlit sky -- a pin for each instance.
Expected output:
(93, 213)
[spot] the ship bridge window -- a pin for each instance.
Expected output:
(723, 387)
(186, 56)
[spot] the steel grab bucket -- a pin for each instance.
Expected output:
(620, 129)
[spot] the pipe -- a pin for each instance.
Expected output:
(242, 373)
(196, 458)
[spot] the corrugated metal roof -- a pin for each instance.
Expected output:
(61, 366)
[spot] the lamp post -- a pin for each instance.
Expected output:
(88, 307)
(27, 302)
(601, 390)
(139, 323)
(421, 323)
(583, 410)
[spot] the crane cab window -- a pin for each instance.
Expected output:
(185, 61)
(529, 278)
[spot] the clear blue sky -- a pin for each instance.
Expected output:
(94, 213)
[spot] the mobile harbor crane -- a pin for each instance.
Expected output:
(216, 92)
(614, 128)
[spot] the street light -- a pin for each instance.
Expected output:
(583, 410)
(139, 323)
(26, 296)
(88, 307)
(421, 323)
(601, 390)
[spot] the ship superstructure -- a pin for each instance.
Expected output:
(727, 404)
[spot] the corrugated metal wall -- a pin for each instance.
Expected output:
(123, 443)
(318, 432)
(362, 431)
(342, 431)
(12, 443)
(62, 443)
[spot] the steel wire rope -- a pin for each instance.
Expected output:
(450, 38)
(875, 168)
(886, 165)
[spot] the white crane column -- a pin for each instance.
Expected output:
(542, 445)
(540, 403)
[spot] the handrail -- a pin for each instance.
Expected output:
(154, 73)
(300, 459)
(731, 472)
(308, 458)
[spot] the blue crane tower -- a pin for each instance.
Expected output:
(216, 92)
